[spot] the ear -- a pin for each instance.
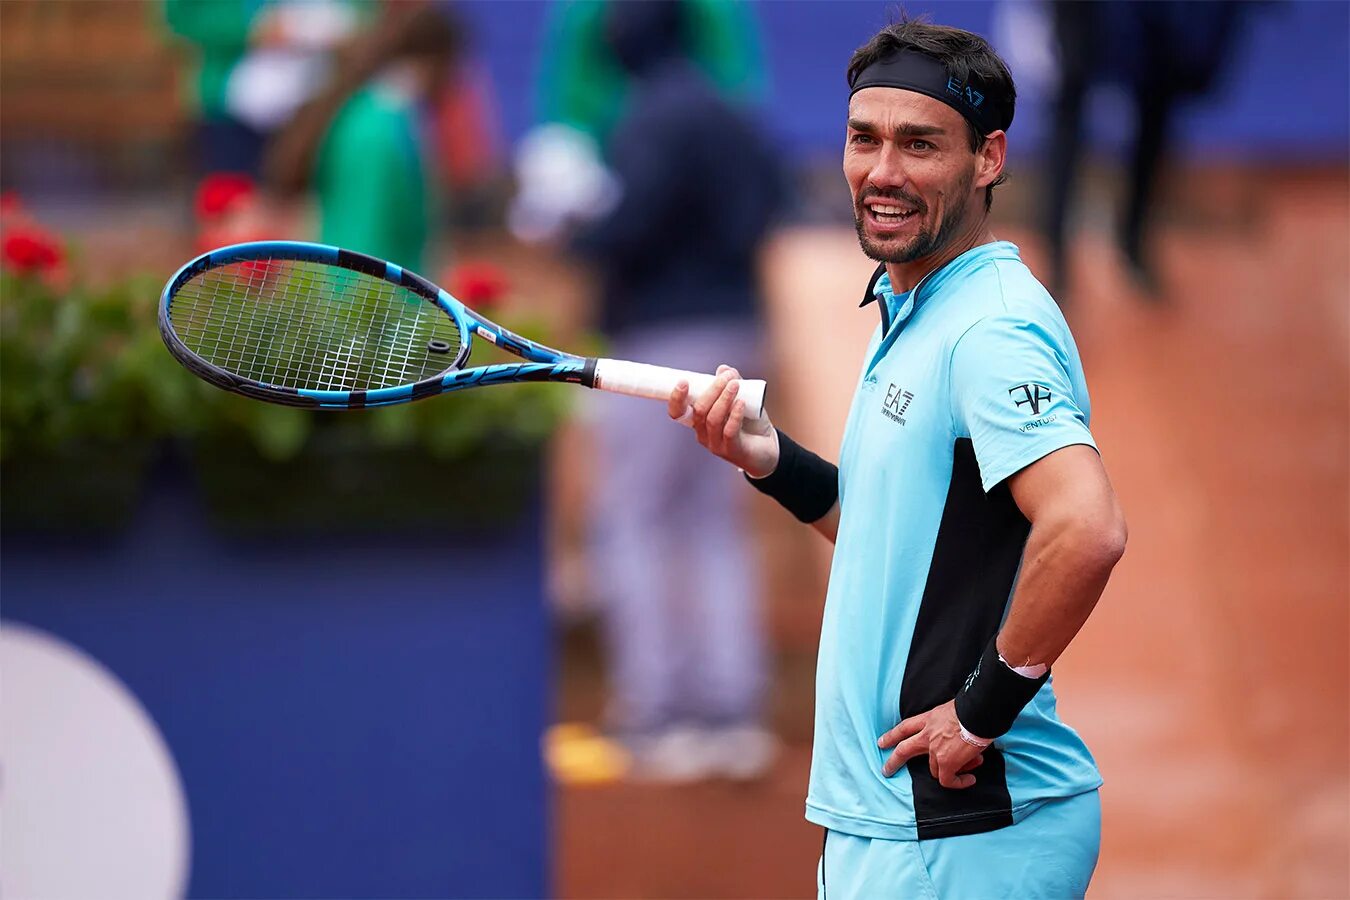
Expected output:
(989, 159)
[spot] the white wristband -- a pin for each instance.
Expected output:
(1032, 672)
(973, 740)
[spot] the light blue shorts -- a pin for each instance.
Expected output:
(1049, 854)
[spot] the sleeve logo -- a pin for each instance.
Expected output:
(1032, 395)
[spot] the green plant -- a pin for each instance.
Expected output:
(82, 365)
(85, 382)
(82, 362)
(88, 393)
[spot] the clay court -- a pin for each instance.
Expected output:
(1211, 681)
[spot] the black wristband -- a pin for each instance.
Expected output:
(993, 695)
(806, 485)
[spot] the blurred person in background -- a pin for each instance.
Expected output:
(1163, 53)
(218, 32)
(583, 85)
(291, 43)
(582, 91)
(331, 95)
(676, 259)
(973, 521)
(359, 142)
(257, 62)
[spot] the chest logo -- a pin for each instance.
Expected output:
(1030, 395)
(897, 401)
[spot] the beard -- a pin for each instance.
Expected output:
(932, 236)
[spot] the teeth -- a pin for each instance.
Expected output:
(890, 210)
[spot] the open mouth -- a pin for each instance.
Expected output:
(891, 214)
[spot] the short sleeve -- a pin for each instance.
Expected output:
(1013, 394)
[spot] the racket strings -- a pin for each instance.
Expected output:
(306, 325)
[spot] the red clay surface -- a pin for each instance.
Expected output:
(1211, 683)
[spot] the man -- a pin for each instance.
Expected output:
(968, 489)
(675, 259)
(1161, 54)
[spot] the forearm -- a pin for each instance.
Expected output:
(1063, 573)
(1065, 570)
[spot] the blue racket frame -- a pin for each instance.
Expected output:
(544, 363)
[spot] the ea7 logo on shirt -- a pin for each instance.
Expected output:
(897, 401)
(1030, 397)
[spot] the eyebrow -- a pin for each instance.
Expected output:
(905, 129)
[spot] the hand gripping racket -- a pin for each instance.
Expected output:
(311, 325)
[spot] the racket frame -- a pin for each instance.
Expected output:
(543, 363)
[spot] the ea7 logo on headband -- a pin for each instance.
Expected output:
(1032, 395)
(965, 91)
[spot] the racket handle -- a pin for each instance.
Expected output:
(656, 383)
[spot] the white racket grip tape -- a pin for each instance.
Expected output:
(656, 383)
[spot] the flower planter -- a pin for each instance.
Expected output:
(85, 488)
(342, 483)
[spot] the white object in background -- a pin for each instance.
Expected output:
(91, 804)
(267, 86)
(561, 179)
(270, 83)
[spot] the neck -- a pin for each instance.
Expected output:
(905, 275)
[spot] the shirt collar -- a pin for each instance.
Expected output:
(880, 283)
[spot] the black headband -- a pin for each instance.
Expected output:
(983, 105)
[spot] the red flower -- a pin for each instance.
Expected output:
(30, 251)
(220, 192)
(10, 204)
(478, 285)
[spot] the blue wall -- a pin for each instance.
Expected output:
(1286, 94)
(349, 718)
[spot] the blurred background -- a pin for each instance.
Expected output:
(526, 642)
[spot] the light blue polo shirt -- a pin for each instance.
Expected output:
(973, 376)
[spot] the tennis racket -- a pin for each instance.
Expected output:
(314, 326)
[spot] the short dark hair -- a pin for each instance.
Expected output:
(963, 53)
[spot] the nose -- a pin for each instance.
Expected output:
(889, 168)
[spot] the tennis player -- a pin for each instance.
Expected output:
(973, 522)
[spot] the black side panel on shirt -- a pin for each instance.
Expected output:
(975, 561)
